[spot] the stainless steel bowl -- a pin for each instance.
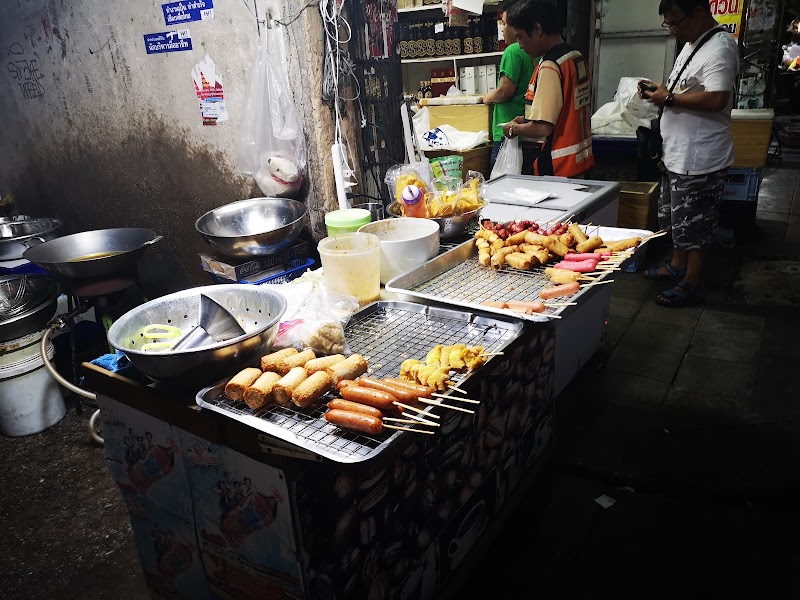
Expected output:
(17, 234)
(448, 226)
(257, 308)
(254, 227)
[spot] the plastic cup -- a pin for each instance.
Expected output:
(351, 265)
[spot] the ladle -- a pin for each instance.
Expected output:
(217, 324)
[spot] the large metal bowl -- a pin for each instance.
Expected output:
(254, 227)
(257, 308)
(449, 227)
(18, 234)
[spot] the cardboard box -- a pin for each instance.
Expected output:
(491, 78)
(752, 133)
(475, 159)
(226, 268)
(638, 204)
(480, 79)
(464, 117)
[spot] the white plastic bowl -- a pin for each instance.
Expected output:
(406, 243)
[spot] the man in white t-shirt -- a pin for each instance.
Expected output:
(698, 143)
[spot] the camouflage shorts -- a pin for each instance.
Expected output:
(689, 206)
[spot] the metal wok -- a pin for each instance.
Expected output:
(19, 234)
(92, 254)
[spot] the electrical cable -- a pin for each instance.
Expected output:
(294, 18)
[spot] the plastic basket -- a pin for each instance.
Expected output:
(741, 185)
(284, 273)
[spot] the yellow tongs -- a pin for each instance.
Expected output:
(160, 332)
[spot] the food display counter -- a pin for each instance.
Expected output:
(296, 508)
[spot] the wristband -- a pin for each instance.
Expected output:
(670, 100)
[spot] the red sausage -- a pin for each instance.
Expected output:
(355, 421)
(526, 307)
(566, 289)
(364, 395)
(586, 266)
(377, 384)
(584, 256)
(355, 407)
(421, 391)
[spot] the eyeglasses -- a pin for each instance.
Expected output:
(673, 26)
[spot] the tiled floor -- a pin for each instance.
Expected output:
(688, 418)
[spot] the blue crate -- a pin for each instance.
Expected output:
(284, 273)
(741, 185)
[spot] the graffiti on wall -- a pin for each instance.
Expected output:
(24, 72)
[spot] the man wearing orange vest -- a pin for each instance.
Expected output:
(558, 102)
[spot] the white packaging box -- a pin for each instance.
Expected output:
(480, 79)
(467, 80)
(491, 78)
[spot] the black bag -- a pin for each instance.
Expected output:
(649, 143)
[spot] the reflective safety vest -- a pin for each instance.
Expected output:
(567, 152)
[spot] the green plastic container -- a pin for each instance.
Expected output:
(347, 220)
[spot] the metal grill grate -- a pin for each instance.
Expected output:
(386, 334)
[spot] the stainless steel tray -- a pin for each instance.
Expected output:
(386, 334)
(455, 277)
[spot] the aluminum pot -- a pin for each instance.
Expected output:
(27, 303)
(19, 234)
(257, 308)
(254, 227)
(92, 254)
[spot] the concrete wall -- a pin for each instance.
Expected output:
(95, 131)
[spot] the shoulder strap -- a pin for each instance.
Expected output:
(699, 45)
(555, 53)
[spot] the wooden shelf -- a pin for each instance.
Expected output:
(406, 61)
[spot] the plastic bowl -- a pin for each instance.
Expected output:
(406, 243)
(254, 227)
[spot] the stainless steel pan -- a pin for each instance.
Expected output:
(92, 254)
(19, 234)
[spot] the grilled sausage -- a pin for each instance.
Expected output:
(527, 308)
(355, 421)
(322, 363)
(311, 389)
(344, 382)
(566, 289)
(270, 361)
(282, 391)
(350, 368)
(355, 407)
(260, 393)
(422, 391)
(364, 395)
(494, 304)
(584, 256)
(239, 383)
(377, 384)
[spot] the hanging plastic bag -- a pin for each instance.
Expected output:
(272, 147)
(509, 159)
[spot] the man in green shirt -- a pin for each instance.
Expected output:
(516, 70)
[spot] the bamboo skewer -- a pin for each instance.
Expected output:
(491, 354)
(597, 283)
(450, 406)
(549, 304)
(454, 387)
(411, 421)
(418, 410)
(469, 400)
(407, 429)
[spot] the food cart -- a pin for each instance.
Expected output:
(232, 501)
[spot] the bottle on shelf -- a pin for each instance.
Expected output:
(476, 27)
(428, 90)
(430, 42)
(403, 40)
(468, 47)
(421, 91)
(439, 37)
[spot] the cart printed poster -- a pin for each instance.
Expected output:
(243, 521)
(187, 11)
(728, 13)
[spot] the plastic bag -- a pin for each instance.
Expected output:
(399, 176)
(272, 147)
(509, 159)
(627, 94)
(318, 316)
(447, 166)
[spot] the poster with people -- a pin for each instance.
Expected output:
(243, 521)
